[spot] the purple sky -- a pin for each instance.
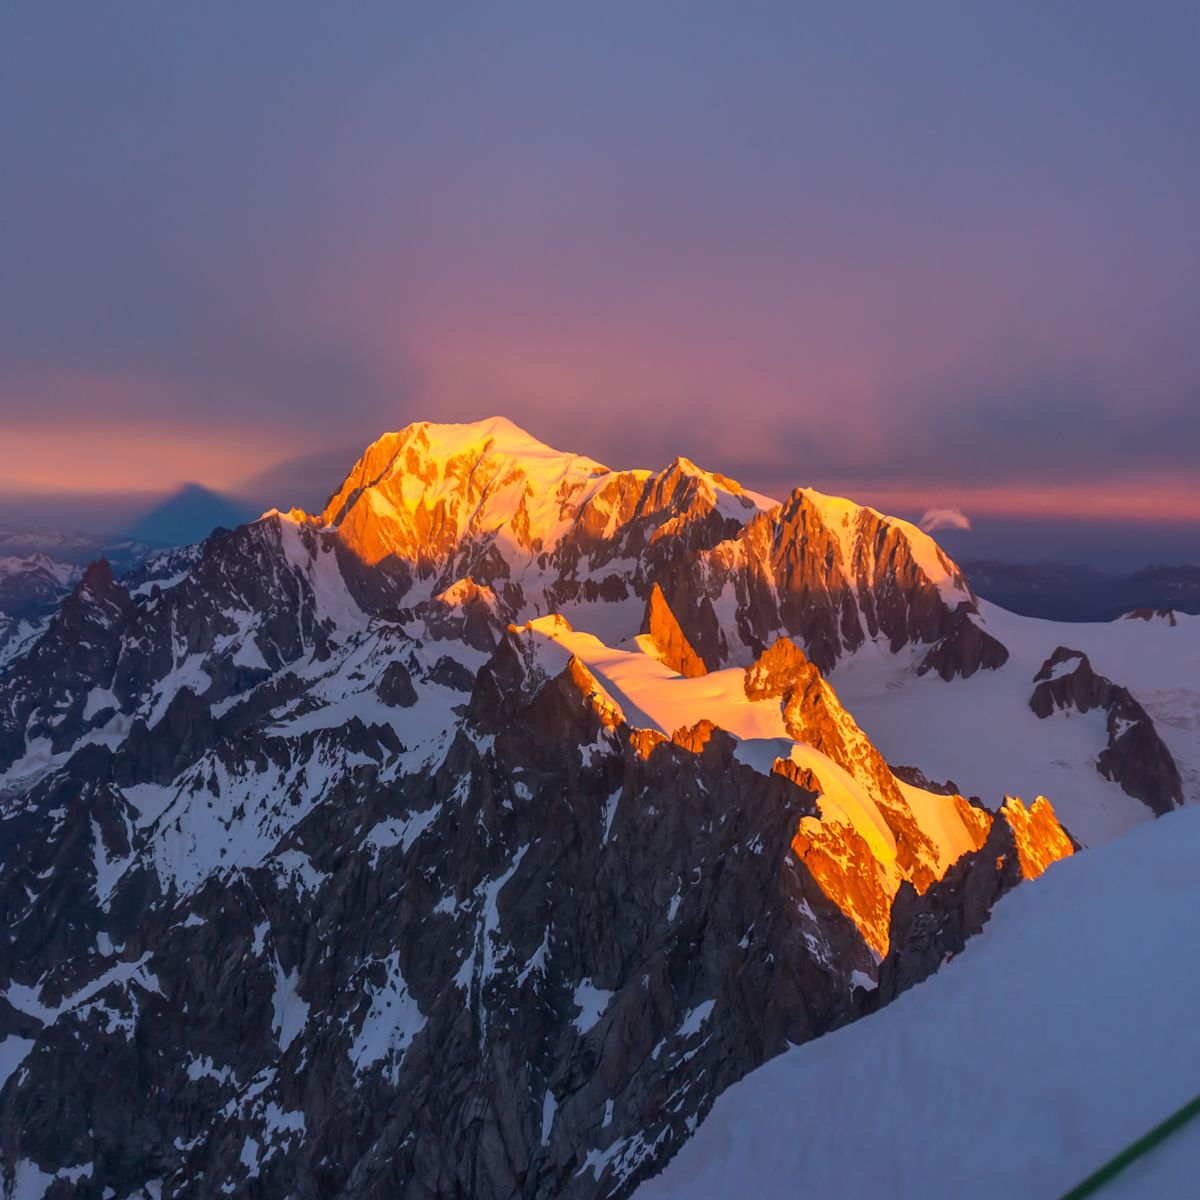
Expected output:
(924, 254)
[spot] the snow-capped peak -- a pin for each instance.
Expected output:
(419, 492)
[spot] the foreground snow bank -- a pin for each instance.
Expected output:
(1063, 1032)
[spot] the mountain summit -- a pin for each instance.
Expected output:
(549, 531)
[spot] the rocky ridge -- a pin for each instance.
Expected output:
(556, 532)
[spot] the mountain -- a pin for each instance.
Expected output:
(472, 836)
(33, 586)
(76, 549)
(1038, 993)
(30, 589)
(443, 503)
(1075, 593)
(38, 568)
(189, 515)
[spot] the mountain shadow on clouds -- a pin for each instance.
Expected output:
(190, 515)
(301, 481)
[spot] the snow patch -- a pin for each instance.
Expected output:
(696, 1018)
(592, 1002)
(393, 1019)
(291, 1012)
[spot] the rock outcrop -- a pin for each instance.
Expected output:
(931, 926)
(1135, 756)
(1039, 838)
(663, 629)
(1166, 615)
(964, 648)
(872, 840)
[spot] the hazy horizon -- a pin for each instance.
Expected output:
(926, 257)
(1108, 545)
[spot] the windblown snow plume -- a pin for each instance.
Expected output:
(944, 518)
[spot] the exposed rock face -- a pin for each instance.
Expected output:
(467, 612)
(316, 881)
(529, 957)
(1135, 756)
(47, 689)
(833, 575)
(964, 648)
(1066, 680)
(1151, 614)
(1039, 838)
(918, 778)
(813, 715)
(663, 628)
(929, 927)
(396, 686)
(778, 671)
(550, 530)
(859, 868)
(843, 863)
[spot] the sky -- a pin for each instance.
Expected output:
(931, 255)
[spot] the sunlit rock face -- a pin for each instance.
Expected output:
(550, 531)
(1039, 838)
(929, 927)
(873, 832)
(469, 838)
(663, 630)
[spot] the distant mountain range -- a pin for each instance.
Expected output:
(76, 549)
(1059, 592)
(1050, 590)
(39, 567)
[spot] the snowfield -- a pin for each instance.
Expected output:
(1062, 1033)
(980, 732)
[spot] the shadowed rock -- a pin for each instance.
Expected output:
(965, 649)
(1135, 757)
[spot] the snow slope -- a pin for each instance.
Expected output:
(650, 693)
(981, 733)
(1157, 661)
(1062, 1033)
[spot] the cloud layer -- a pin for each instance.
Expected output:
(950, 257)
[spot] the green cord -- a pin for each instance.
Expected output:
(1094, 1182)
